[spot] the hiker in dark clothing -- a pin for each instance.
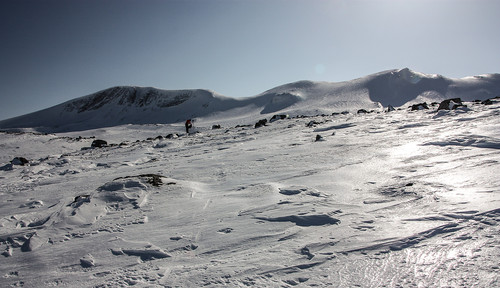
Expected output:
(188, 125)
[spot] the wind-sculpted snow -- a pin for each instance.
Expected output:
(385, 199)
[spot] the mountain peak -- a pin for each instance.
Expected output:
(135, 96)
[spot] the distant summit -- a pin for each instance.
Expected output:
(146, 105)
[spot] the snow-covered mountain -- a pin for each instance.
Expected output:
(146, 105)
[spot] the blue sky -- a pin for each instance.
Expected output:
(57, 50)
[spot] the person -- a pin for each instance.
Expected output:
(188, 125)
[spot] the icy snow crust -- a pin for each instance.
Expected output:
(147, 105)
(399, 199)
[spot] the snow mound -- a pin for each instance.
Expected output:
(124, 192)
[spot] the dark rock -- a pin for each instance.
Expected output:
(305, 251)
(450, 104)
(7, 253)
(7, 167)
(390, 108)
(225, 230)
(261, 123)
(152, 179)
(362, 111)
(487, 102)
(319, 138)
(216, 126)
(278, 117)
(312, 123)
(419, 106)
(32, 243)
(19, 161)
(159, 137)
(87, 261)
(79, 200)
(99, 143)
(172, 136)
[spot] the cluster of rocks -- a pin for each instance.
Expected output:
(17, 161)
(276, 117)
(450, 104)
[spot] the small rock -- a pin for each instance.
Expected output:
(7, 252)
(312, 123)
(87, 261)
(305, 251)
(172, 136)
(225, 230)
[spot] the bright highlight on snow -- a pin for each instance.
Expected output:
(310, 184)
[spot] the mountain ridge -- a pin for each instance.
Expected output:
(147, 105)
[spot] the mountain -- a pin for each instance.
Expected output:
(399, 199)
(147, 105)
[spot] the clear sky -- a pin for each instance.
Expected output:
(52, 51)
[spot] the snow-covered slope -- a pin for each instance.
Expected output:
(141, 105)
(397, 199)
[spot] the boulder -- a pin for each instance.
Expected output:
(278, 117)
(21, 161)
(487, 102)
(99, 143)
(419, 106)
(34, 242)
(450, 104)
(216, 126)
(261, 123)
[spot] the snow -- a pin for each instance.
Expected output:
(386, 199)
(147, 105)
